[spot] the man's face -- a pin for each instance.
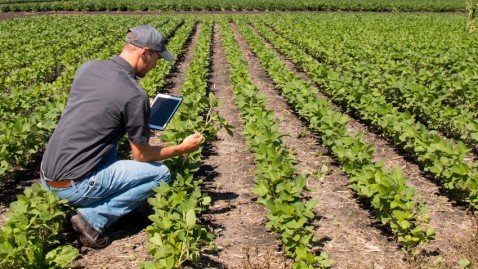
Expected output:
(149, 60)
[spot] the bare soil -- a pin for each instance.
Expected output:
(454, 225)
(346, 228)
(342, 225)
(229, 175)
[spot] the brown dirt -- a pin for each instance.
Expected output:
(346, 229)
(343, 226)
(455, 226)
(237, 220)
(176, 78)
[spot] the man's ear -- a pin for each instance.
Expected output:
(145, 51)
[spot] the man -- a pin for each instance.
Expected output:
(105, 103)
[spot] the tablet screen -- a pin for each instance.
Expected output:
(162, 110)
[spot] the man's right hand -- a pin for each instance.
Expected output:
(192, 142)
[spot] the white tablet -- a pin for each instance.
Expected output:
(162, 110)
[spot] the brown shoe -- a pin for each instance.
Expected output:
(88, 235)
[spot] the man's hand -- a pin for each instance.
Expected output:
(148, 153)
(192, 142)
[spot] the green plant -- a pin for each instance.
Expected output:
(464, 263)
(176, 236)
(471, 15)
(31, 235)
(389, 195)
(341, 77)
(276, 184)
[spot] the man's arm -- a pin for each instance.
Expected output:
(148, 153)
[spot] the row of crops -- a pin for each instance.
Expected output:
(28, 238)
(411, 77)
(181, 5)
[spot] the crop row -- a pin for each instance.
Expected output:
(30, 238)
(433, 80)
(36, 219)
(69, 50)
(278, 186)
(175, 236)
(391, 198)
(398, 44)
(37, 60)
(438, 156)
(22, 97)
(178, 5)
(48, 53)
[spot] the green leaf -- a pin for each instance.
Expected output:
(147, 265)
(261, 189)
(311, 204)
(190, 218)
(62, 256)
(464, 263)
(206, 200)
(404, 224)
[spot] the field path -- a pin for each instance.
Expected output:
(343, 227)
(177, 76)
(238, 221)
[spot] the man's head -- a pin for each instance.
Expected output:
(146, 36)
(144, 46)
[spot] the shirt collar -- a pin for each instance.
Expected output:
(123, 63)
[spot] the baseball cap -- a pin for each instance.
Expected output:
(147, 36)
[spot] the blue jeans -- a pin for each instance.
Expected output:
(113, 189)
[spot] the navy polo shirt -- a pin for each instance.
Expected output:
(105, 103)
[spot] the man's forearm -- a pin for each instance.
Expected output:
(148, 153)
(156, 153)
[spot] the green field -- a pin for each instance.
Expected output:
(409, 78)
(251, 5)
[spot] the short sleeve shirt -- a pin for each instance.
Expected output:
(105, 103)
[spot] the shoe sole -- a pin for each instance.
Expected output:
(84, 239)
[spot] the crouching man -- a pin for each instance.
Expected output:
(106, 102)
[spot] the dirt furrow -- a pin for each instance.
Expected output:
(343, 226)
(228, 169)
(455, 227)
(176, 78)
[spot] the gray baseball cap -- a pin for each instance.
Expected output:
(147, 36)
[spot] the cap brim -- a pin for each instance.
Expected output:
(166, 55)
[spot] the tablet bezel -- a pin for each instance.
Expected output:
(167, 96)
